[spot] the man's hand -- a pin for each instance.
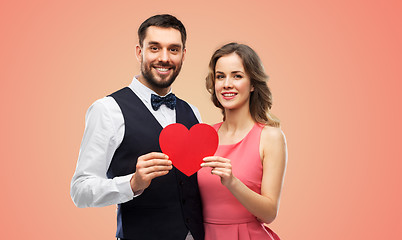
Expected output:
(149, 166)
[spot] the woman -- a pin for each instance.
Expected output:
(240, 186)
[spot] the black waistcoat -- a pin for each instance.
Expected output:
(171, 205)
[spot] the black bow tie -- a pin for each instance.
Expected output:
(169, 100)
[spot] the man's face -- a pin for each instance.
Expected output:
(161, 57)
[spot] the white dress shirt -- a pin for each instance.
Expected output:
(104, 132)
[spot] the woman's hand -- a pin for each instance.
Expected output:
(220, 167)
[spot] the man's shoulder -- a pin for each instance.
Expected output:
(103, 105)
(103, 102)
(182, 100)
(193, 108)
(121, 91)
(185, 103)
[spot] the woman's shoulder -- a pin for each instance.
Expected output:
(273, 143)
(216, 126)
(271, 134)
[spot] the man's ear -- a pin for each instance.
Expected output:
(184, 54)
(138, 53)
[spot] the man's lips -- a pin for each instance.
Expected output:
(162, 69)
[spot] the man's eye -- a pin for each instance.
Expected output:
(154, 48)
(174, 50)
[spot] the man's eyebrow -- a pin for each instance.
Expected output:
(153, 43)
(176, 45)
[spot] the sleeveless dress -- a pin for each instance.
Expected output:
(225, 218)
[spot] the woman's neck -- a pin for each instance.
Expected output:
(237, 120)
(236, 126)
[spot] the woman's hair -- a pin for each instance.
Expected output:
(261, 97)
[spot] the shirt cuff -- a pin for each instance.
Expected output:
(124, 187)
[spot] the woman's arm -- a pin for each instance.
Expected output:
(274, 157)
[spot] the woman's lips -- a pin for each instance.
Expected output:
(228, 95)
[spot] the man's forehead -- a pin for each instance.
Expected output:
(163, 36)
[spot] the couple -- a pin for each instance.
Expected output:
(120, 161)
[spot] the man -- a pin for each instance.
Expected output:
(120, 161)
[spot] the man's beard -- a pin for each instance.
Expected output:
(149, 77)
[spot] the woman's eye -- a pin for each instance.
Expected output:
(238, 76)
(219, 77)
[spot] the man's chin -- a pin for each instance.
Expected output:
(161, 83)
(162, 77)
(159, 80)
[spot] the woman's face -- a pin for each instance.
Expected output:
(232, 84)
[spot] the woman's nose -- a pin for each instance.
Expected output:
(227, 83)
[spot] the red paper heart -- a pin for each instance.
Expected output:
(185, 148)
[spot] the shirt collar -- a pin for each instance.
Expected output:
(142, 91)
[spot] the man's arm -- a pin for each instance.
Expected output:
(104, 130)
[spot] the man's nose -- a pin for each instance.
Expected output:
(164, 56)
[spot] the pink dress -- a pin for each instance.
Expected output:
(224, 216)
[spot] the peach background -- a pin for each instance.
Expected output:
(335, 73)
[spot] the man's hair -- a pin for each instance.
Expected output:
(164, 21)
